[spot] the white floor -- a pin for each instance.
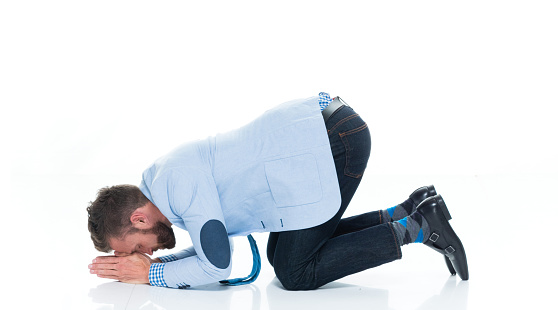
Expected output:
(93, 91)
(505, 223)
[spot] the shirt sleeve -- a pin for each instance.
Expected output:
(178, 255)
(187, 253)
(196, 201)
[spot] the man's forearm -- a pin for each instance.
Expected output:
(178, 255)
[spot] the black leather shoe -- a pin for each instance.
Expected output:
(442, 237)
(420, 194)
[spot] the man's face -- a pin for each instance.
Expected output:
(147, 241)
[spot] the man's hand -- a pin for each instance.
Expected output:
(132, 268)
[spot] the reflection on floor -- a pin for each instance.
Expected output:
(489, 213)
(453, 295)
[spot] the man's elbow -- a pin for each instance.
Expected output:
(216, 249)
(217, 273)
(225, 273)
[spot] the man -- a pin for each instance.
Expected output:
(291, 172)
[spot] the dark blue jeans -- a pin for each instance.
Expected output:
(309, 258)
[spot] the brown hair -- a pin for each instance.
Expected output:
(109, 215)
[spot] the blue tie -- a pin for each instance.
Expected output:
(256, 267)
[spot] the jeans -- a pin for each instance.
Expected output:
(309, 258)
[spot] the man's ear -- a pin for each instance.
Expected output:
(140, 220)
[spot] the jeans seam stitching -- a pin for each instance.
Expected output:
(395, 239)
(343, 121)
(345, 170)
(343, 135)
(355, 130)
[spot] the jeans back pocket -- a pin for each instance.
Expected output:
(357, 146)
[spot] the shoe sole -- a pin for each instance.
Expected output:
(464, 274)
(447, 215)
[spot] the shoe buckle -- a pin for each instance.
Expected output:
(449, 250)
(434, 237)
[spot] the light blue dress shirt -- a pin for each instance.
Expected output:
(274, 174)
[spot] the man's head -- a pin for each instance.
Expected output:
(124, 220)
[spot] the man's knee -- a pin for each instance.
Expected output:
(294, 280)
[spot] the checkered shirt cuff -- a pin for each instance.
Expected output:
(168, 258)
(156, 275)
(324, 100)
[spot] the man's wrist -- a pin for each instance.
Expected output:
(156, 274)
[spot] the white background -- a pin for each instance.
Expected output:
(459, 94)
